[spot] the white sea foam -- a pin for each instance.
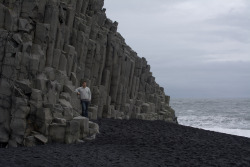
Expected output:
(201, 121)
(231, 116)
(217, 124)
(237, 132)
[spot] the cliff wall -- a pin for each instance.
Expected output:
(47, 48)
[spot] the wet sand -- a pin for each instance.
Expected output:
(138, 143)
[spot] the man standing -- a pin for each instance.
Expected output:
(85, 95)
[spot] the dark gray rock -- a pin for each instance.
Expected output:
(47, 48)
(57, 132)
(72, 132)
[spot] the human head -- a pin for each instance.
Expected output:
(84, 83)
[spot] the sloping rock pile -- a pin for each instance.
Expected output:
(47, 48)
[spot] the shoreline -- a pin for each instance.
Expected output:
(224, 115)
(138, 143)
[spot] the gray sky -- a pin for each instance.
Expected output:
(196, 48)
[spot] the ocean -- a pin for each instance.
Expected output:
(231, 116)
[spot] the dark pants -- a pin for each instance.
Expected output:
(85, 105)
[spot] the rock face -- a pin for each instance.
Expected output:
(47, 48)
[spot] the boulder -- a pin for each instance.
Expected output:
(4, 134)
(69, 89)
(57, 132)
(41, 82)
(41, 138)
(61, 121)
(5, 102)
(62, 63)
(42, 34)
(113, 113)
(68, 113)
(76, 102)
(74, 79)
(5, 118)
(2, 15)
(93, 112)
(24, 25)
(145, 108)
(57, 111)
(30, 141)
(50, 73)
(93, 128)
(32, 8)
(42, 127)
(25, 86)
(5, 87)
(72, 131)
(10, 20)
(60, 76)
(18, 128)
(36, 95)
(21, 112)
(44, 115)
(66, 96)
(12, 143)
(43, 120)
(52, 97)
(84, 125)
(65, 103)
(56, 58)
(106, 111)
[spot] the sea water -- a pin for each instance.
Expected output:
(231, 116)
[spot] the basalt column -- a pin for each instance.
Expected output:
(47, 48)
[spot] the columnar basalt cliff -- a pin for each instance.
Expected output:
(47, 48)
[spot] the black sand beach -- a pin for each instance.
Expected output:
(138, 143)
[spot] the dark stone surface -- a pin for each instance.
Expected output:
(48, 47)
(138, 143)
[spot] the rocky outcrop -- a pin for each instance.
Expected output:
(47, 48)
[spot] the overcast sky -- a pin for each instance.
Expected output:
(196, 48)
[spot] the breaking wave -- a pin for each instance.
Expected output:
(231, 116)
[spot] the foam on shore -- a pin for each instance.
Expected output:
(237, 132)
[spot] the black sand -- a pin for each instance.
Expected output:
(138, 143)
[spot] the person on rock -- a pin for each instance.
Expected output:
(85, 95)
